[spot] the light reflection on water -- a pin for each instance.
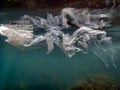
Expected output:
(34, 68)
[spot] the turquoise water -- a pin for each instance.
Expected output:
(35, 70)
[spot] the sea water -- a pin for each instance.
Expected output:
(36, 70)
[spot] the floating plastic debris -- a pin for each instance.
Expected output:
(87, 37)
(15, 35)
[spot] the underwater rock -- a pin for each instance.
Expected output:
(98, 82)
(53, 4)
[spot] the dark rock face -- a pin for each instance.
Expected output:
(55, 4)
(97, 82)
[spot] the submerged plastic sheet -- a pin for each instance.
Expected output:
(86, 38)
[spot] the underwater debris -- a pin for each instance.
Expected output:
(86, 38)
(16, 36)
(97, 82)
(96, 19)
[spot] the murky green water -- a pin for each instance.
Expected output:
(35, 70)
